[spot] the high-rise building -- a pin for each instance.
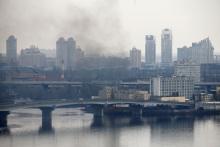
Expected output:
(201, 52)
(32, 57)
(150, 50)
(78, 55)
(65, 53)
(135, 58)
(11, 50)
(71, 47)
(61, 52)
(166, 47)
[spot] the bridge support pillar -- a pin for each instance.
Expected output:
(3, 119)
(136, 111)
(98, 111)
(46, 118)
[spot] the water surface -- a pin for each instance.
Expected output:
(74, 128)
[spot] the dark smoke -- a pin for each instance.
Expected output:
(97, 30)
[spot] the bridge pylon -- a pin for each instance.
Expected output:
(98, 111)
(3, 119)
(136, 111)
(46, 118)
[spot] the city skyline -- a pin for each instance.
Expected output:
(94, 73)
(150, 49)
(115, 32)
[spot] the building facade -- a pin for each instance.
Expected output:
(187, 69)
(8, 73)
(117, 93)
(166, 47)
(135, 58)
(180, 99)
(150, 50)
(3, 59)
(210, 72)
(65, 53)
(78, 56)
(11, 50)
(32, 57)
(201, 52)
(207, 91)
(173, 86)
(216, 58)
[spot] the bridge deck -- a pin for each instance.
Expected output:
(60, 103)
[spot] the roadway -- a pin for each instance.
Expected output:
(56, 103)
(72, 83)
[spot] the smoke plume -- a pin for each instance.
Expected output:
(96, 27)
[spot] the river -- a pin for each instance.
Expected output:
(74, 128)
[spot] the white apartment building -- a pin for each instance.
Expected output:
(173, 86)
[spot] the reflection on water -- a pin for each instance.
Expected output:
(46, 130)
(73, 128)
(5, 131)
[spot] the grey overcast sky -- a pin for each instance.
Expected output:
(108, 26)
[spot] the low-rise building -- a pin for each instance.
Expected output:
(180, 99)
(187, 69)
(173, 86)
(9, 73)
(132, 94)
(115, 93)
(205, 97)
(141, 95)
(106, 93)
(207, 91)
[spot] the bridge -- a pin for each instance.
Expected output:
(41, 83)
(76, 84)
(72, 83)
(98, 105)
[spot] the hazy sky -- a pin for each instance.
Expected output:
(109, 26)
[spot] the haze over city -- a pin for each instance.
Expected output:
(109, 27)
(109, 73)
